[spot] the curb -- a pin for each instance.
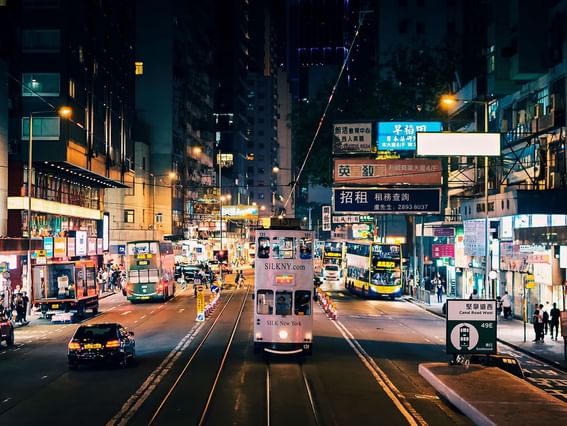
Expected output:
(512, 345)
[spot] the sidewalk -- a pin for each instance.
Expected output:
(511, 332)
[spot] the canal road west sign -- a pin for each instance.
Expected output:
(471, 326)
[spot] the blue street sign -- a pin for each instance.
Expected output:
(387, 201)
(401, 135)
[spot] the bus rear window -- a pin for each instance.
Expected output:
(265, 302)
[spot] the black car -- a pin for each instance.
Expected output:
(101, 342)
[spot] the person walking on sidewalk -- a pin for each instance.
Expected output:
(439, 291)
(537, 321)
(554, 321)
(507, 305)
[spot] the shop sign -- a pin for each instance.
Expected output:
(388, 201)
(81, 243)
(387, 172)
(443, 250)
(91, 248)
(443, 232)
(48, 246)
(401, 136)
(511, 259)
(71, 247)
(346, 219)
(326, 218)
(59, 247)
(471, 326)
(352, 138)
(475, 237)
(531, 248)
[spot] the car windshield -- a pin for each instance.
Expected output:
(97, 332)
(332, 268)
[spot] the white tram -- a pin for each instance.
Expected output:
(283, 289)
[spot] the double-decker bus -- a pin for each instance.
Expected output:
(374, 269)
(283, 288)
(150, 267)
(333, 252)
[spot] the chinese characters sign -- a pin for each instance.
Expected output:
(401, 136)
(387, 172)
(352, 138)
(471, 326)
(475, 237)
(378, 200)
(443, 250)
(326, 216)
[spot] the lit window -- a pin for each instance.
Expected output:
(40, 84)
(45, 128)
(128, 216)
(139, 68)
(40, 40)
(72, 88)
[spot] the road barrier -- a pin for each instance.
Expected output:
(327, 304)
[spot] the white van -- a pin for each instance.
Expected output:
(331, 272)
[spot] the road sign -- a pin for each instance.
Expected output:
(471, 326)
(200, 303)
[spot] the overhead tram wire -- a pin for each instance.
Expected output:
(322, 119)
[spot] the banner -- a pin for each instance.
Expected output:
(352, 138)
(388, 201)
(326, 218)
(387, 172)
(475, 237)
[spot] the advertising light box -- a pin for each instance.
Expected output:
(386, 200)
(401, 136)
(451, 144)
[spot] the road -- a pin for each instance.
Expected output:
(363, 369)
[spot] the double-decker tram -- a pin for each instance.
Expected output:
(374, 269)
(150, 267)
(283, 288)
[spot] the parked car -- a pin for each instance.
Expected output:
(505, 362)
(6, 329)
(107, 342)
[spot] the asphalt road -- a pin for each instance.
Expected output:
(364, 369)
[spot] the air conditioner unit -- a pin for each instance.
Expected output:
(551, 106)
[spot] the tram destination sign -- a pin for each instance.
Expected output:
(386, 200)
(471, 326)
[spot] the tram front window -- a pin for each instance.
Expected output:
(263, 247)
(265, 302)
(302, 302)
(283, 303)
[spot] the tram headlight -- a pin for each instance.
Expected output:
(308, 337)
(258, 336)
(283, 334)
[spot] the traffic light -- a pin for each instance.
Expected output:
(222, 255)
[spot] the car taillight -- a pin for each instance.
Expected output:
(160, 287)
(74, 346)
(113, 344)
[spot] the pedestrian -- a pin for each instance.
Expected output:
(554, 321)
(26, 301)
(537, 320)
(99, 281)
(545, 320)
(410, 285)
(19, 305)
(439, 291)
(105, 279)
(474, 294)
(507, 305)
(498, 306)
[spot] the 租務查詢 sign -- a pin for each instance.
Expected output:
(386, 200)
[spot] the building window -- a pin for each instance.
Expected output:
(45, 128)
(128, 216)
(139, 70)
(42, 84)
(40, 40)
(261, 195)
(159, 218)
(72, 88)
(490, 59)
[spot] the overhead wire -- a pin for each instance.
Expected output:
(324, 115)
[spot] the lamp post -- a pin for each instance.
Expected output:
(64, 112)
(447, 101)
(171, 175)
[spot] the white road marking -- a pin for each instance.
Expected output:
(43, 377)
(135, 401)
(181, 310)
(143, 316)
(401, 403)
(126, 313)
(6, 400)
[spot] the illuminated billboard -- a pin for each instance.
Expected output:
(400, 135)
(451, 144)
(240, 212)
(352, 138)
(387, 200)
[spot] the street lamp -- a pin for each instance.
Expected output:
(171, 175)
(447, 101)
(63, 112)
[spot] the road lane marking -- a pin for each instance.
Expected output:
(402, 404)
(143, 316)
(6, 400)
(43, 377)
(136, 400)
(181, 310)
(126, 313)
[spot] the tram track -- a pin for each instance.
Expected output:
(285, 378)
(193, 364)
